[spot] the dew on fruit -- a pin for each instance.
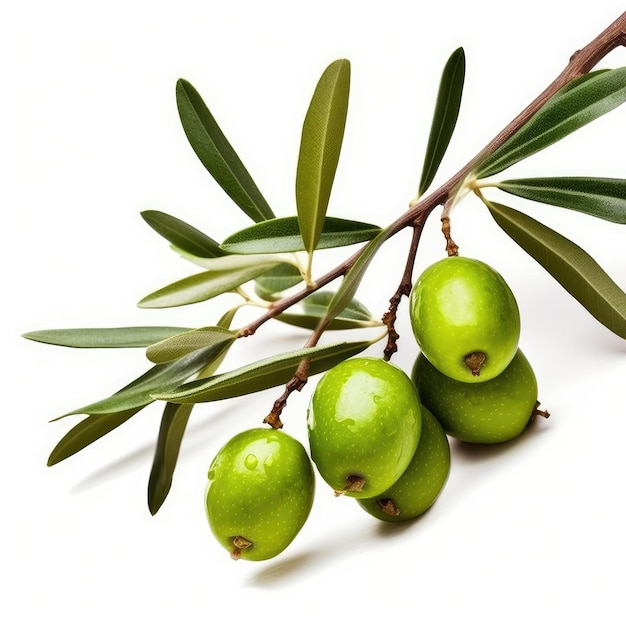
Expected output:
(251, 461)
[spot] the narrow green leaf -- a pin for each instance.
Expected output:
(569, 264)
(315, 306)
(159, 378)
(129, 337)
(225, 274)
(282, 234)
(601, 197)
(322, 136)
(263, 374)
(570, 109)
(184, 343)
(217, 155)
(181, 235)
(445, 116)
(270, 285)
(173, 424)
(92, 428)
(351, 281)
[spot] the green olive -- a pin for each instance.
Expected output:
(259, 493)
(465, 319)
(364, 422)
(491, 412)
(422, 481)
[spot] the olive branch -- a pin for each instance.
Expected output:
(275, 254)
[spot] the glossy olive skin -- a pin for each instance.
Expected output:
(423, 480)
(492, 412)
(364, 422)
(260, 491)
(459, 307)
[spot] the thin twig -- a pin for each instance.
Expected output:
(299, 379)
(404, 289)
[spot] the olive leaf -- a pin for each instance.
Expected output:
(216, 153)
(320, 146)
(124, 337)
(224, 274)
(577, 104)
(171, 431)
(264, 374)
(282, 234)
(600, 197)
(184, 343)
(445, 116)
(90, 429)
(158, 378)
(181, 235)
(315, 307)
(569, 264)
(270, 284)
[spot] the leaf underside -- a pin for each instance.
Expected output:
(569, 264)
(283, 235)
(123, 337)
(181, 235)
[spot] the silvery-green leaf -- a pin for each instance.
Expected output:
(224, 274)
(271, 284)
(282, 234)
(123, 337)
(569, 264)
(189, 341)
(320, 146)
(601, 197)
(173, 425)
(315, 306)
(264, 374)
(181, 235)
(217, 154)
(158, 378)
(92, 428)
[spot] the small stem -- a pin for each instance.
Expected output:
(404, 289)
(354, 483)
(538, 413)
(298, 380)
(451, 248)
(388, 506)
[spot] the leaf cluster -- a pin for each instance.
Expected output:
(275, 254)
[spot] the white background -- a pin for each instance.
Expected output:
(531, 532)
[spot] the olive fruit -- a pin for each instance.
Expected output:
(491, 412)
(259, 493)
(465, 319)
(364, 422)
(422, 481)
